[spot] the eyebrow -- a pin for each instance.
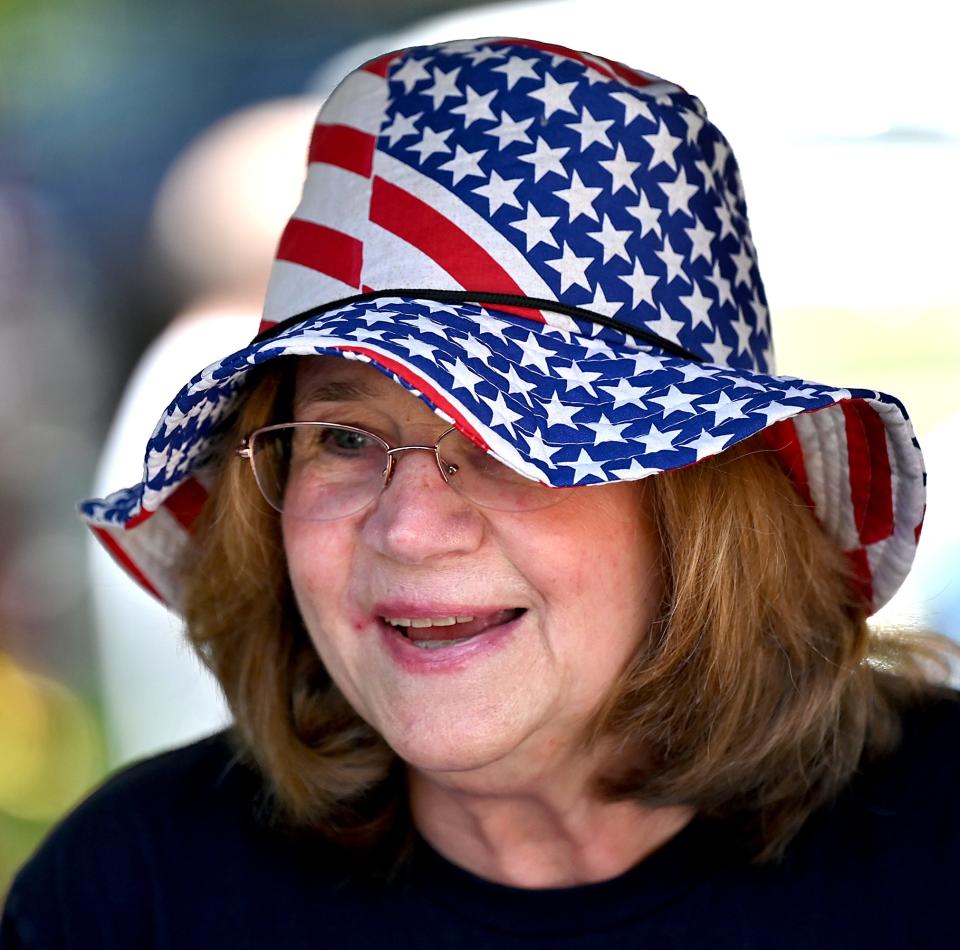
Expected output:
(332, 391)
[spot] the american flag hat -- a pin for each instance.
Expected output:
(551, 250)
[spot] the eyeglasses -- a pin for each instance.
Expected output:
(318, 471)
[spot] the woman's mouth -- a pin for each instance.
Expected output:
(435, 633)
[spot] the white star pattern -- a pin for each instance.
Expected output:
(464, 377)
(518, 385)
(643, 362)
(724, 292)
(635, 471)
(797, 392)
(621, 170)
(464, 163)
(706, 445)
(647, 215)
(633, 106)
(625, 392)
(591, 130)
(537, 228)
(759, 311)
(578, 378)
(402, 125)
(699, 306)
(666, 326)
(572, 269)
(430, 143)
(694, 124)
(720, 155)
(743, 330)
(591, 75)
(545, 159)
(675, 400)
(692, 371)
(560, 414)
(664, 145)
(613, 241)
(517, 68)
(499, 192)
(709, 183)
(679, 192)
(410, 73)
(726, 225)
(775, 411)
(673, 261)
(641, 283)
(476, 348)
(605, 431)
(484, 53)
(600, 304)
(585, 466)
(537, 449)
(724, 408)
(503, 415)
(510, 130)
(555, 96)
(580, 198)
(533, 354)
(700, 240)
(593, 345)
(476, 108)
(743, 262)
(657, 441)
(444, 86)
(718, 350)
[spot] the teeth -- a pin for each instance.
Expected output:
(436, 644)
(420, 622)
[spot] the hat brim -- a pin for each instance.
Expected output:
(567, 405)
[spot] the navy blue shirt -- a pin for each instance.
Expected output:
(170, 855)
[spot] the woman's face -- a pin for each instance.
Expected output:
(561, 595)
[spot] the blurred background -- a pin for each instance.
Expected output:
(148, 157)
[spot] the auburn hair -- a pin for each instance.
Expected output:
(754, 696)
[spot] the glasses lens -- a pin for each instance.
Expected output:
(478, 476)
(318, 472)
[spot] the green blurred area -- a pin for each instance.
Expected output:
(914, 356)
(52, 752)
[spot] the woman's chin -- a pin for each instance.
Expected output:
(453, 751)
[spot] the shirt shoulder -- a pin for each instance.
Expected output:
(92, 876)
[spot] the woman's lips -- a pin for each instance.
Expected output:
(447, 646)
(434, 632)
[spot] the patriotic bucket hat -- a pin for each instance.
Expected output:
(552, 251)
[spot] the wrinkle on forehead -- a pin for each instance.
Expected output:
(321, 390)
(327, 379)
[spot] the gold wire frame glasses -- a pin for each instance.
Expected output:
(322, 471)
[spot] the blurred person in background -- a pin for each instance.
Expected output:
(50, 753)
(216, 222)
(538, 598)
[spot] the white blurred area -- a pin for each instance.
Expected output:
(843, 118)
(217, 219)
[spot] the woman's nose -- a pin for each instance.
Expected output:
(418, 516)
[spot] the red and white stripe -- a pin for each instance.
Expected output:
(370, 222)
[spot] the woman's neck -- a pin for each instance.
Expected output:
(554, 832)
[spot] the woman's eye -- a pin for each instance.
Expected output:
(345, 441)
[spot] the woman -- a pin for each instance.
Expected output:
(538, 599)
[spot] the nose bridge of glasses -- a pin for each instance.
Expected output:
(445, 470)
